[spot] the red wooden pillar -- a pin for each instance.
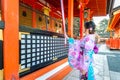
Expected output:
(34, 21)
(10, 12)
(81, 20)
(70, 17)
(52, 21)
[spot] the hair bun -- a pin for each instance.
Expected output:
(91, 26)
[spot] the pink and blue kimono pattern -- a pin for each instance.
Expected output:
(80, 54)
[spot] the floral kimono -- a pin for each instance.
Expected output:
(81, 54)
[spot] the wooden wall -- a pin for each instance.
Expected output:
(41, 23)
(25, 20)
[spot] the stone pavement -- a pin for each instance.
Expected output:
(106, 65)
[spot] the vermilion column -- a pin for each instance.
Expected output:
(34, 22)
(10, 12)
(52, 20)
(70, 17)
(81, 21)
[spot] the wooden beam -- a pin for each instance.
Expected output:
(42, 71)
(61, 74)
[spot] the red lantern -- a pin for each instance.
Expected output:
(87, 14)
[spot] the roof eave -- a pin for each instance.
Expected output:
(110, 6)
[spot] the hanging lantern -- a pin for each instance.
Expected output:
(87, 14)
(46, 11)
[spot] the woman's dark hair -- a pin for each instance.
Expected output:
(90, 26)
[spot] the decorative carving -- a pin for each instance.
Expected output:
(40, 18)
(24, 13)
(56, 24)
(59, 25)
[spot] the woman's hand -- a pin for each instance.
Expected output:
(97, 38)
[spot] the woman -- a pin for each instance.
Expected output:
(87, 45)
(81, 52)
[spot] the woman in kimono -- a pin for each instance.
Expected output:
(81, 52)
(88, 45)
